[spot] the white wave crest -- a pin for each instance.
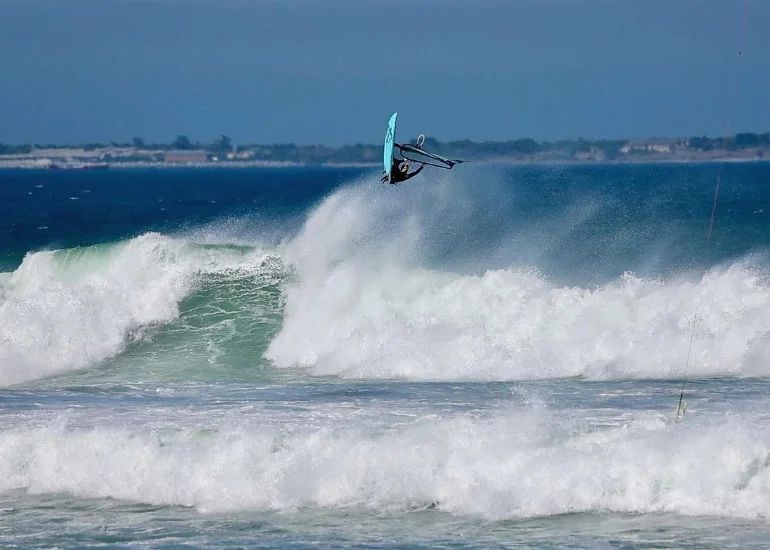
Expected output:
(514, 465)
(67, 309)
(362, 306)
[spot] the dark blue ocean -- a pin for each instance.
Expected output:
(305, 357)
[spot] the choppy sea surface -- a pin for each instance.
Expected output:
(488, 357)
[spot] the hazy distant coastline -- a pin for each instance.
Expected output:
(222, 152)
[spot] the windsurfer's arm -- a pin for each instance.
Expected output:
(413, 174)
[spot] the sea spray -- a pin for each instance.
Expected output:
(370, 300)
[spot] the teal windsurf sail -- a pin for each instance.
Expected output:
(390, 136)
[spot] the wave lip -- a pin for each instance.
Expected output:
(67, 309)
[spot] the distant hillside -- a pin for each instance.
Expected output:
(184, 151)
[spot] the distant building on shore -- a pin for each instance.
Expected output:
(240, 155)
(184, 157)
(648, 146)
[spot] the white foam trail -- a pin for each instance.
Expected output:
(514, 465)
(363, 307)
(67, 309)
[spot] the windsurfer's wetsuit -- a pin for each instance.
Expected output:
(397, 175)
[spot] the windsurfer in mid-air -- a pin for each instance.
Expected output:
(396, 169)
(399, 171)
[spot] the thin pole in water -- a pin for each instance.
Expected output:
(682, 405)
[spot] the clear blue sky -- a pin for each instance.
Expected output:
(331, 72)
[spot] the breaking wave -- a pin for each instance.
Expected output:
(68, 309)
(426, 282)
(372, 299)
(519, 464)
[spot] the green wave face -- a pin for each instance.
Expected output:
(222, 331)
(152, 307)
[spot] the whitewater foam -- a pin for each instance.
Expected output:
(367, 304)
(67, 309)
(518, 464)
